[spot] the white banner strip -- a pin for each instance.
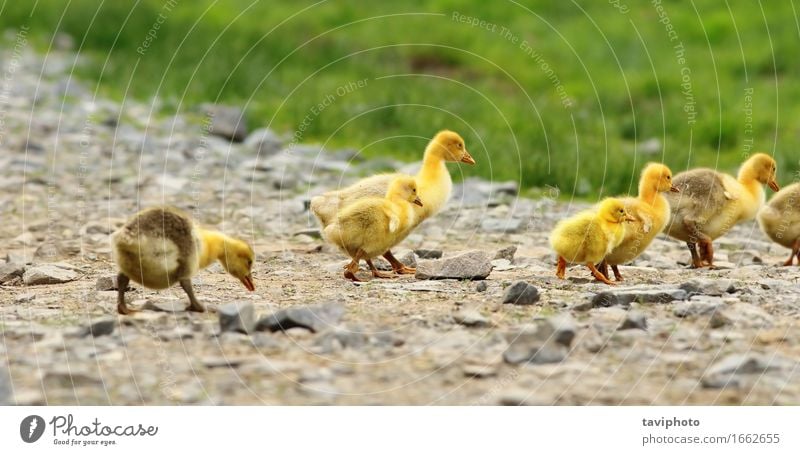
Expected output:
(399, 430)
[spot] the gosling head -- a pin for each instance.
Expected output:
(763, 169)
(613, 211)
(404, 188)
(659, 178)
(238, 261)
(450, 147)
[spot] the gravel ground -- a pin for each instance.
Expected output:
(74, 166)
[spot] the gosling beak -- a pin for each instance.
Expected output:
(674, 189)
(467, 158)
(418, 201)
(773, 185)
(629, 218)
(247, 281)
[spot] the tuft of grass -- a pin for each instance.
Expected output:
(423, 71)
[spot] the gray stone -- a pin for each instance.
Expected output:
(226, 121)
(624, 297)
(744, 257)
(313, 317)
(5, 386)
(9, 271)
(264, 142)
(502, 226)
(237, 317)
(165, 305)
(729, 371)
(100, 327)
(548, 342)
(106, 283)
(521, 293)
(470, 265)
(48, 274)
(423, 253)
(481, 286)
(506, 253)
(698, 306)
(470, 317)
(634, 320)
(706, 286)
(719, 319)
(341, 337)
(311, 232)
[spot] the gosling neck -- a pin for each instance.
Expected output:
(650, 195)
(748, 179)
(434, 181)
(213, 247)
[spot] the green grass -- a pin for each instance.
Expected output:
(424, 72)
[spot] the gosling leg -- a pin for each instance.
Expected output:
(398, 267)
(696, 261)
(795, 252)
(617, 275)
(194, 305)
(697, 237)
(707, 251)
(377, 273)
(122, 286)
(561, 267)
(603, 268)
(599, 275)
(352, 268)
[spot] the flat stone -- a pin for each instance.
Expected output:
(48, 274)
(727, 372)
(634, 320)
(479, 371)
(470, 318)
(100, 327)
(423, 253)
(106, 283)
(521, 293)
(336, 338)
(264, 142)
(165, 305)
(506, 253)
(470, 265)
(502, 226)
(226, 121)
(9, 271)
(698, 306)
(705, 286)
(313, 317)
(237, 317)
(548, 343)
(624, 297)
(311, 232)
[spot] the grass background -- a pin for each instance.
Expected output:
(425, 71)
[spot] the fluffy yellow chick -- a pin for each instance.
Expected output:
(160, 246)
(780, 220)
(371, 226)
(650, 212)
(589, 236)
(710, 203)
(433, 181)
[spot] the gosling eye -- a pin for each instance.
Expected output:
(460, 145)
(669, 178)
(621, 211)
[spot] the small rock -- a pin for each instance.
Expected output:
(106, 283)
(341, 337)
(471, 265)
(226, 121)
(719, 319)
(237, 317)
(423, 253)
(165, 305)
(503, 226)
(564, 328)
(502, 265)
(9, 271)
(48, 274)
(744, 257)
(264, 142)
(479, 371)
(481, 286)
(548, 343)
(713, 287)
(634, 320)
(471, 318)
(100, 327)
(506, 253)
(698, 306)
(521, 293)
(5, 386)
(728, 371)
(314, 318)
(624, 297)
